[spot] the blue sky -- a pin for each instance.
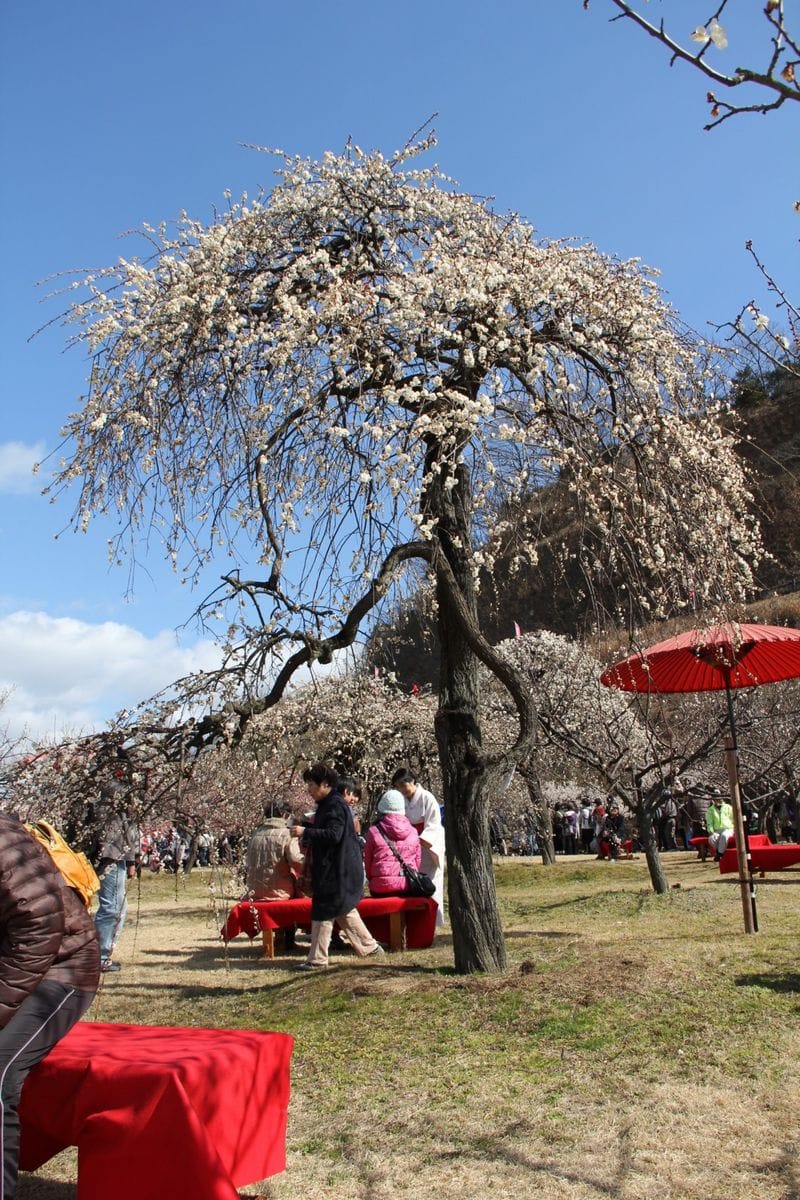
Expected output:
(112, 115)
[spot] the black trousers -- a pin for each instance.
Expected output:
(41, 1020)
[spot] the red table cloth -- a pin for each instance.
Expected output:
(251, 916)
(158, 1112)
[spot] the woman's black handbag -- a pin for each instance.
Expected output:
(419, 884)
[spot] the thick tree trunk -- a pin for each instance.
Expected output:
(478, 942)
(649, 839)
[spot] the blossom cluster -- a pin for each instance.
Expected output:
(329, 370)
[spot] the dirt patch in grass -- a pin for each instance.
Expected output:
(637, 1047)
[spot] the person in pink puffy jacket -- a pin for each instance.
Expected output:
(384, 873)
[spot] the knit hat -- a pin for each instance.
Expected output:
(392, 802)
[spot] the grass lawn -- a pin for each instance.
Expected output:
(637, 1047)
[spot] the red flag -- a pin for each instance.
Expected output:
(517, 630)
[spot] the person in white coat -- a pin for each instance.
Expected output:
(422, 810)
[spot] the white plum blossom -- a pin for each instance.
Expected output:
(364, 369)
(713, 32)
(717, 34)
(315, 336)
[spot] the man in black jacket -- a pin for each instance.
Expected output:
(337, 870)
(49, 970)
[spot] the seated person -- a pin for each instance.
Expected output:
(612, 833)
(425, 814)
(274, 857)
(384, 873)
(719, 822)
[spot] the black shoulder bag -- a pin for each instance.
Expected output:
(419, 884)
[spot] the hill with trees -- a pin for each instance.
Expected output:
(550, 582)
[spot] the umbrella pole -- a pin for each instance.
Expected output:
(746, 883)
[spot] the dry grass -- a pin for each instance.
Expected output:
(638, 1047)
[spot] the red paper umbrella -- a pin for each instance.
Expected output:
(707, 660)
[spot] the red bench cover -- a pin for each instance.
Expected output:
(764, 855)
(251, 916)
(626, 846)
(157, 1112)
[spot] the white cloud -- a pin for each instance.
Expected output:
(69, 676)
(16, 467)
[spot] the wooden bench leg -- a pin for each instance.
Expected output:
(397, 930)
(268, 943)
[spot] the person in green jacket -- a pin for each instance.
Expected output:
(719, 823)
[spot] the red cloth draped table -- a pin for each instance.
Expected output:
(158, 1112)
(382, 915)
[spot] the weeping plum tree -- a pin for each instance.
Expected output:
(359, 371)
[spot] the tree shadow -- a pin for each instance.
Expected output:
(786, 1169)
(609, 1182)
(526, 934)
(573, 900)
(776, 981)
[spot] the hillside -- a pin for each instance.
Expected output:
(554, 595)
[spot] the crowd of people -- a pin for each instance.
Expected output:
(602, 826)
(326, 855)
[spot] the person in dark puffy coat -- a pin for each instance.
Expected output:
(384, 874)
(337, 870)
(49, 970)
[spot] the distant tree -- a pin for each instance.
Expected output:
(354, 373)
(362, 724)
(766, 400)
(11, 746)
(636, 747)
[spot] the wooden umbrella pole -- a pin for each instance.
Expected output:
(746, 885)
(745, 882)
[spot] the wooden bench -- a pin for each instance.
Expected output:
(401, 922)
(157, 1112)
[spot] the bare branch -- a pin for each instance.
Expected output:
(779, 76)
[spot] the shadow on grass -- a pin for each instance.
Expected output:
(595, 897)
(786, 1170)
(494, 1146)
(774, 981)
(527, 934)
(276, 974)
(30, 1187)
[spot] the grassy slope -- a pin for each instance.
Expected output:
(638, 1047)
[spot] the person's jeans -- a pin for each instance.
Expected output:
(113, 905)
(41, 1020)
